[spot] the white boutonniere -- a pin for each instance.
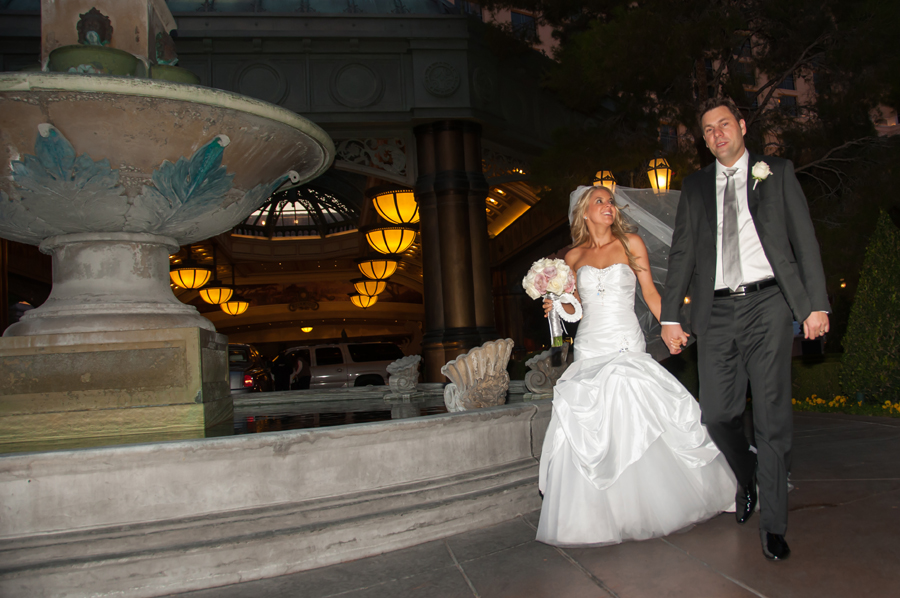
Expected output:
(760, 172)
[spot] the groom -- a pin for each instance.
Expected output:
(744, 244)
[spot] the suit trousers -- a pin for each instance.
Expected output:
(750, 337)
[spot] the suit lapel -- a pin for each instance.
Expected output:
(708, 186)
(753, 194)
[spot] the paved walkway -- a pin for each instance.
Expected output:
(844, 534)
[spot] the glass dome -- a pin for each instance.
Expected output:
(325, 206)
(300, 212)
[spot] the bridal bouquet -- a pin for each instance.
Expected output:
(553, 279)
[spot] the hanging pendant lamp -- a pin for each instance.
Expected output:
(368, 287)
(397, 206)
(393, 238)
(236, 305)
(190, 274)
(379, 267)
(216, 292)
(363, 301)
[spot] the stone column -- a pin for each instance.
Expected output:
(4, 285)
(481, 267)
(443, 189)
(430, 235)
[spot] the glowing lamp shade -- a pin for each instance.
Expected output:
(605, 178)
(216, 293)
(306, 329)
(660, 174)
(391, 239)
(368, 287)
(190, 276)
(363, 301)
(378, 268)
(236, 306)
(397, 206)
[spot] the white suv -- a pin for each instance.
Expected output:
(342, 364)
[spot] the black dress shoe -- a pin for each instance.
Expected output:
(774, 547)
(745, 501)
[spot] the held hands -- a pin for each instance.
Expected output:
(674, 337)
(815, 325)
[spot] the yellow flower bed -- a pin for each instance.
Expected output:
(842, 404)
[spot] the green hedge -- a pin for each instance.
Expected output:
(871, 362)
(818, 375)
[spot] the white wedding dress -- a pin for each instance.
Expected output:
(625, 456)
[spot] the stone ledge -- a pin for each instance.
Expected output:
(182, 555)
(148, 520)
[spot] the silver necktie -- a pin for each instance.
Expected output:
(731, 249)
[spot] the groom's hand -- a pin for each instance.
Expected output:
(674, 337)
(815, 325)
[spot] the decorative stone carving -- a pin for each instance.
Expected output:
(404, 375)
(498, 165)
(177, 202)
(262, 80)
(94, 28)
(165, 49)
(543, 374)
(356, 85)
(441, 79)
(479, 378)
(388, 155)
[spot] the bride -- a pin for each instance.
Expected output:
(625, 456)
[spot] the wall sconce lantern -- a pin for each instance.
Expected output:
(397, 206)
(189, 274)
(368, 286)
(605, 178)
(363, 301)
(307, 329)
(378, 267)
(395, 238)
(660, 175)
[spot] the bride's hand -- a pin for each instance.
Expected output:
(548, 305)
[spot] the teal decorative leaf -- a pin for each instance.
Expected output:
(55, 177)
(193, 186)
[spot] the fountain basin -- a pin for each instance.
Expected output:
(110, 175)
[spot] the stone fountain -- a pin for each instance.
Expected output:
(109, 172)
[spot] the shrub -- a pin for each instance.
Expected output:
(871, 362)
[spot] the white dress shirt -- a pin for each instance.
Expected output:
(754, 265)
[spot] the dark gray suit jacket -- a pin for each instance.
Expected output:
(779, 211)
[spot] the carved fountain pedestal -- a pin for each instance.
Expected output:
(110, 175)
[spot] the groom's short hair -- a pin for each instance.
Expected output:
(713, 103)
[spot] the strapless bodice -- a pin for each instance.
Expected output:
(609, 324)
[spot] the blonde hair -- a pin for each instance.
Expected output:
(619, 228)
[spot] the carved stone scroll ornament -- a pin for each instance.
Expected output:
(381, 154)
(479, 378)
(542, 373)
(404, 375)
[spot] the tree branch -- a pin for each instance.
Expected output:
(827, 157)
